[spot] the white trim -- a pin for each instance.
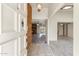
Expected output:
(0, 50)
(16, 47)
(0, 26)
(19, 22)
(0, 17)
(19, 39)
(19, 46)
(16, 22)
(16, 29)
(25, 45)
(25, 28)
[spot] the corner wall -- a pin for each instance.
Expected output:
(76, 30)
(60, 16)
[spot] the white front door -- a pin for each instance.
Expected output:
(12, 36)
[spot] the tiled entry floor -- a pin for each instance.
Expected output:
(62, 47)
(41, 50)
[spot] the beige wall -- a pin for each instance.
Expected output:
(76, 30)
(60, 29)
(60, 16)
(70, 30)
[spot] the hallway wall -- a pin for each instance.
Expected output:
(70, 30)
(60, 29)
(76, 30)
(43, 14)
(60, 16)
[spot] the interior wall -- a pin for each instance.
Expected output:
(60, 16)
(43, 14)
(52, 30)
(60, 29)
(70, 30)
(76, 30)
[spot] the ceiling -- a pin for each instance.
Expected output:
(48, 10)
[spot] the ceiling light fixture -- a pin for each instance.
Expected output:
(67, 7)
(61, 24)
(37, 24)
(39, 7)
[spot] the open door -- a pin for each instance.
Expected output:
(29, 24)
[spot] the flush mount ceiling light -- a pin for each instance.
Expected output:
(39, 7)
(61, 24)
(37, 24)
(67, 7)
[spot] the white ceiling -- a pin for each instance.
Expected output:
(48, 10)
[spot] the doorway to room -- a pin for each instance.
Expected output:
(39, 33)
(65, 29)
(64, 39)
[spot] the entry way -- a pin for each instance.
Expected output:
(63, 29)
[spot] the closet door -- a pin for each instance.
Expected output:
(12, 30)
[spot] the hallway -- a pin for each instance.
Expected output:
(39, 47)
(62, 47)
